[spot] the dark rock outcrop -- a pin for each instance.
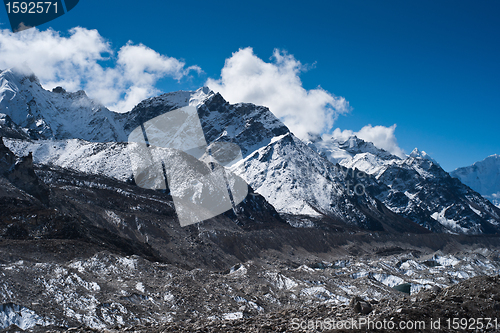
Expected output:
(20, 172)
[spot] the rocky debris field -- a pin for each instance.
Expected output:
(108, 292)
(467, 301)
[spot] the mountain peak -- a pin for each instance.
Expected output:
(200, 95)
(416, 153)
(57, 114)
(177, 99)
(354, 142)
(19, 73)
(206, 90)
(355, 145)
(483, 177)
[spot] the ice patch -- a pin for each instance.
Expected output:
(168, 297)
(319, 292)
(359, 275)
(448, 223)
(130, 263)
(24, 318)
(478, 212)
(388, 280)
(446, 261)
(412, 265)
(139, 286)
(238, 272)
(461, 274)
(114, 218)
(415, 288)
(233, 315)
(281, 281)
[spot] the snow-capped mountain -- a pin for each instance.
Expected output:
(422, 154)
(483, 177)
(289, 174)
(26, 107)
(315, 181)
(54, 115)
(353, 153)
(416, 187)
(422, 191)
(295, 179)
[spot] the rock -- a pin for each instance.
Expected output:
(360, 306)
(59, 90)
(21, 173)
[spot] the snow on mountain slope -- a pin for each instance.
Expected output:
(190, 194)
(109, 159)
(422, 154)
(415, 187)
(483, 177)
(328, 148)
(296, 178)
(422, 191)
(293, 178)
(61, 115)
(22, 317)
(308, 185)
(11, 130)
(57, 114)
(369, 163)
(353, 153)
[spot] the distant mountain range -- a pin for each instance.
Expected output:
(323, 184)
(483, 177)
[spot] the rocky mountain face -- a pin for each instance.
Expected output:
(421, 190)
(19, 172)
(417, 188)
(302, 186)
(40, 202)
(483, 177)
(42, 114)
(307, 183)
(314, 184)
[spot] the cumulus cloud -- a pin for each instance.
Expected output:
(83, 59)
(381, 136)
(277, 85)
(77, 61)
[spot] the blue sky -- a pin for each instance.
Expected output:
(431, 67)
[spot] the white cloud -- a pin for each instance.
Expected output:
(381, 136)
(75, 62)
(247, 78)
